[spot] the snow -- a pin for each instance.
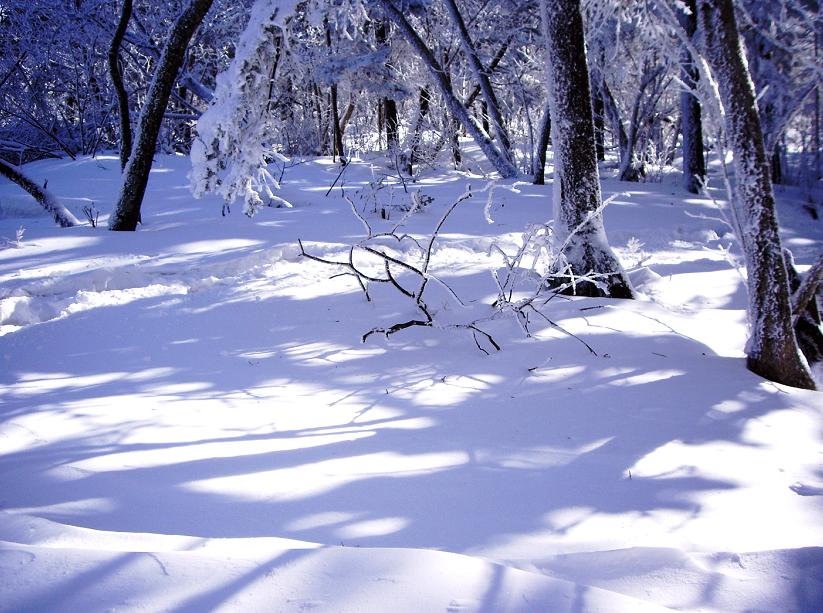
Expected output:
(189, 420)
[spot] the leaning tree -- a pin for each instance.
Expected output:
(772, 349)
(126, 214)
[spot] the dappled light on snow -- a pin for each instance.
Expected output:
(193, 417)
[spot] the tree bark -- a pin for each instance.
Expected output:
(543, 137)
(126, 214)
(772, 350)
(691, 125)
(119, 86)
(578, 229)
(61, 215)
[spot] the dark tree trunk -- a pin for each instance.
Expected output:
(61, 215)
(776, 165)
(388, 106)
(337, 133)
(632, 169)
(772, 350)
(599, 125)
(126, 214)
(805, 308)
(543, 139)
(498, 57)
(691, 125)
(413, 155)
(119, 86)
(578, 227)
(392, 124)
(484, 116)
(613, 114)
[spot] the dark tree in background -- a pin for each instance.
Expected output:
(119, 85)
(691, 125)
(126, 214)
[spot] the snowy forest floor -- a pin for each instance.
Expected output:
(189, 420)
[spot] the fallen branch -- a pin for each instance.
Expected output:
(61, 215)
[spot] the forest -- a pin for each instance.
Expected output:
(482, 305)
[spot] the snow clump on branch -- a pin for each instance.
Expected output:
(230, 154)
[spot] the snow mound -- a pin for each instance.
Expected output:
(60, 568)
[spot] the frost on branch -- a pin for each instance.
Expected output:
(230, 154)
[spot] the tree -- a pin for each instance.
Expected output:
(441, 78)
(694, 164)
(579, 229)
(772, 350)
(780, 40)
(491, 105)
(119, 86)
(229, 155)
(61, 215)
(126, 214)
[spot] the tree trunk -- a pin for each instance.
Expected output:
(578, 229)
(599, 125)
(543, 139)
(453, 105)
(388, 106)
(777, 164)
(392, 124)
(126, 214)
(337, 133)
(630, 168)
(60, 214)
(498, 57)
(613, 113)
(772, 350)
(691, 125)
(805, 308)
(424, 101)
(119, 86)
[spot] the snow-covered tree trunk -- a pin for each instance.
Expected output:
(541, 148)
(772, 349)
(440, 77)
(60, 214)
(578, 221)
(691, 125)
(119, 86)
(126, 214)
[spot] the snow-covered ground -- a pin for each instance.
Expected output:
(189, 420)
